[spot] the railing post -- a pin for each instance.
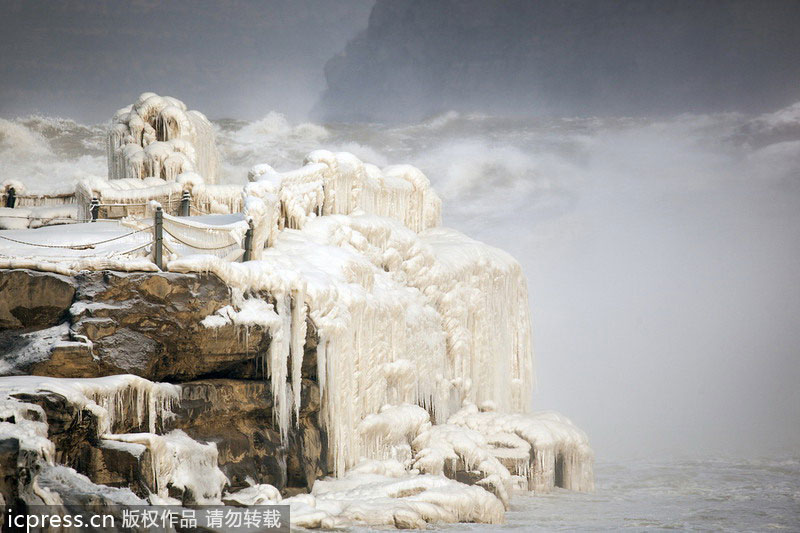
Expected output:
(248, 242)
(185, 203)
(94, 208)
(159, 237)
(12, 197)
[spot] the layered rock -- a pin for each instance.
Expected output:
(149, 324)
(33, 300)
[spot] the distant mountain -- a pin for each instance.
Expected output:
(419, 57)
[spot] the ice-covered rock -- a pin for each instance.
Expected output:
(406, 501)
(355, 343)
(560, 455)
(158, 136)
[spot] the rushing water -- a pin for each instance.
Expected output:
(664, 271)
(710, 495)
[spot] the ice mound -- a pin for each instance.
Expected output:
(158, 136)
(405, 501)
(560, 453)
(182, 463)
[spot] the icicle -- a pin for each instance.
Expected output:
(278, 353)
(298, 345)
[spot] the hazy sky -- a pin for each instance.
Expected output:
(234, 58)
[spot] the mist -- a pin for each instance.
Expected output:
(663, 267)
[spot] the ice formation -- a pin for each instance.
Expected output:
(181, 462)
(261, 494)
(560, 457)
(112, 399)
(415, 325)
(177, 460)
(392, 498)
(158, 137)
(56, 194)
(430, 319)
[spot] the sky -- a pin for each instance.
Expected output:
(231, 59)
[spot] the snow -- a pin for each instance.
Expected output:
(68, 249)
(55, 483)
(30, 348)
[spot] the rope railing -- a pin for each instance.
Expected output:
(196, 247)
(200, 210)
(241, 243)
(170, 202)
(74, 246)
(125, 252)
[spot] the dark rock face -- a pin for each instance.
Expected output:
(9, 467)
(237, 415)
(629, 57)
(146, 324)
(33, 300)
(149, 325)
(120, 465)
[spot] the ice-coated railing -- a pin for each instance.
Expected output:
(341, 184)
(14, 193)
(327, 184)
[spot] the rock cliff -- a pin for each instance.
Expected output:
(566, 56)
(149, 324)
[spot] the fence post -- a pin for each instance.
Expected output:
(185, 202)
(248, 242)
(12, 197)
(159, 237)
(94, 208)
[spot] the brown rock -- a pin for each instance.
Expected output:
(150, 325)
(119, 464)
(33, 300)
(237, 415)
